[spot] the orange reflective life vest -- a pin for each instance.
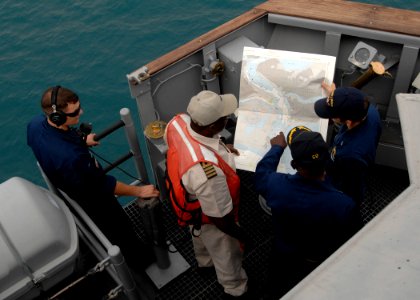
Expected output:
(183, 153)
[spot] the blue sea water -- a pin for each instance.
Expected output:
(90, 46)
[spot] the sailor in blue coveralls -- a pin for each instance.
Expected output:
(353, 149)
(311, 218)
(64, 156)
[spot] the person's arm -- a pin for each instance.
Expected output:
(215, 200)
(268, 164)
(145, 191)
(87, 175)
(232, 149)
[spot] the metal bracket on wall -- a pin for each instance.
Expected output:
(210, 79)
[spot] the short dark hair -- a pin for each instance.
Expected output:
(310, 169)
(64, 97)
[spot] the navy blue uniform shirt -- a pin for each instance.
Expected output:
(353, 152)
(67, 162)
(311, 218)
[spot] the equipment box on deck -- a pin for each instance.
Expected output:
(38, 240)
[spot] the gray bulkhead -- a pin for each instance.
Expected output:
(167, 92)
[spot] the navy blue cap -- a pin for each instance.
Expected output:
(294, 132)
(308, 148)
(346, 103)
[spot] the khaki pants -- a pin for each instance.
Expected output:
(215, 248)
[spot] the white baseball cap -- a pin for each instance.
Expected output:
(207, 107)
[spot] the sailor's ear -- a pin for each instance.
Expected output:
(293, 164)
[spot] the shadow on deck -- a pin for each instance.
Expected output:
(384, 184)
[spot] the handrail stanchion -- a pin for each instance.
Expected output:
(117, 260)
(116, 257)
(98, 241)
(133, 142)
(151, 208)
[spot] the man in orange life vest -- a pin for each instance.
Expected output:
(200, 166)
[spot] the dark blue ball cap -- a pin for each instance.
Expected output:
(309, 149)
(346, 103)
(294, 132)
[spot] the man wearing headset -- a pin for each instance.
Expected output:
(64, 156)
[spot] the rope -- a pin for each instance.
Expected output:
(113, 293)
(99, 267)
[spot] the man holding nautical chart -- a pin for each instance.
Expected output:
(353, 149)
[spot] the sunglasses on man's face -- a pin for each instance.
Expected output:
(75, 113)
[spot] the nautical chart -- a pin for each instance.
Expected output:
(277, 92)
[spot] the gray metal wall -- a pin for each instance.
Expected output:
(168, 92)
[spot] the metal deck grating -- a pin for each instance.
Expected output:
(384, 184)
(195, 285)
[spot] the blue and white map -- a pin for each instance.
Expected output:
(277, 92)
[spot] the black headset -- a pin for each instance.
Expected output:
(57, 116)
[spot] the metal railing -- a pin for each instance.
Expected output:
(107, 253)
(152, 207)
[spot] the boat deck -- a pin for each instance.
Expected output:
(384, 184)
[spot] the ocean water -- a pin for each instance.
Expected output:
(90, 46)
